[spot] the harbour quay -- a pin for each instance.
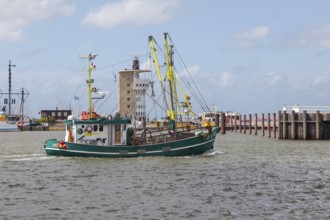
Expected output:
(292, 122)
(308, 124)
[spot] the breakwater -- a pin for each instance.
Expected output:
(283, 125)
(304, 126)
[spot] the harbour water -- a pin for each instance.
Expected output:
(246, 177)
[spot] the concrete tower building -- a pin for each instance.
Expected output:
(132, 92)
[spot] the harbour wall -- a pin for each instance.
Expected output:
(283, 125)
(304, 126)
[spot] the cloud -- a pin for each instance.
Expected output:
(249, 39)
(313, 37)
(193, 70)
(253, 34)
(136, 12)
(321, 80)
(225, 80)
(17, 15)
(272, 79)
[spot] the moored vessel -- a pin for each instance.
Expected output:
(5, 126)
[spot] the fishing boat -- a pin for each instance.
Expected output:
(4, 123)
(96, 135)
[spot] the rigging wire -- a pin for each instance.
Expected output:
(199, 93)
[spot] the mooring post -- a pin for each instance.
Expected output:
(317, 125)
(285, 128)
(256, 124)
(240, 123)
(274, 124)
(250, 123)
(268, 124)
(223, 123)
(263, 124)
(244, 124)
(279, 125)
(293, 125)
(235, 123)
(304, 125)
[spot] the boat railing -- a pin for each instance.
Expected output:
(164, 136)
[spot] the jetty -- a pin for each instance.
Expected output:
(292, 122)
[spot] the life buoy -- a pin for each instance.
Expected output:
(62, 145)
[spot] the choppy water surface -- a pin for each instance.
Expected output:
(247, 177)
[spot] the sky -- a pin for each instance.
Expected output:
(246, 56)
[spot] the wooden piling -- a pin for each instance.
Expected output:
(223, 123)
(274, 124)
(268, 125)
(304, 119)
(250, 123)
(285, 126)
(235, 124)
(263, 124)
(317, 125)
(244, 124)
(240, 123)
(255, 124)
(293, 125)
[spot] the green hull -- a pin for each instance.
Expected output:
(190, 146)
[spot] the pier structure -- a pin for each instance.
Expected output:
(304, 124)
(250, 124)
(293, 122)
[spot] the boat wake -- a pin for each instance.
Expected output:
(212, 153)
(25, 157)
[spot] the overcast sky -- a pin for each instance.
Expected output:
(248, 56)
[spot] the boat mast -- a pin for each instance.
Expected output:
(171, 79)
(151, 42)
(90, 81)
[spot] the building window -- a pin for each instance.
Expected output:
(128, 85)
(128, 106)
(53, 114)
(128, 99)
(65, 113)
(128, 92)
(128, 78)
